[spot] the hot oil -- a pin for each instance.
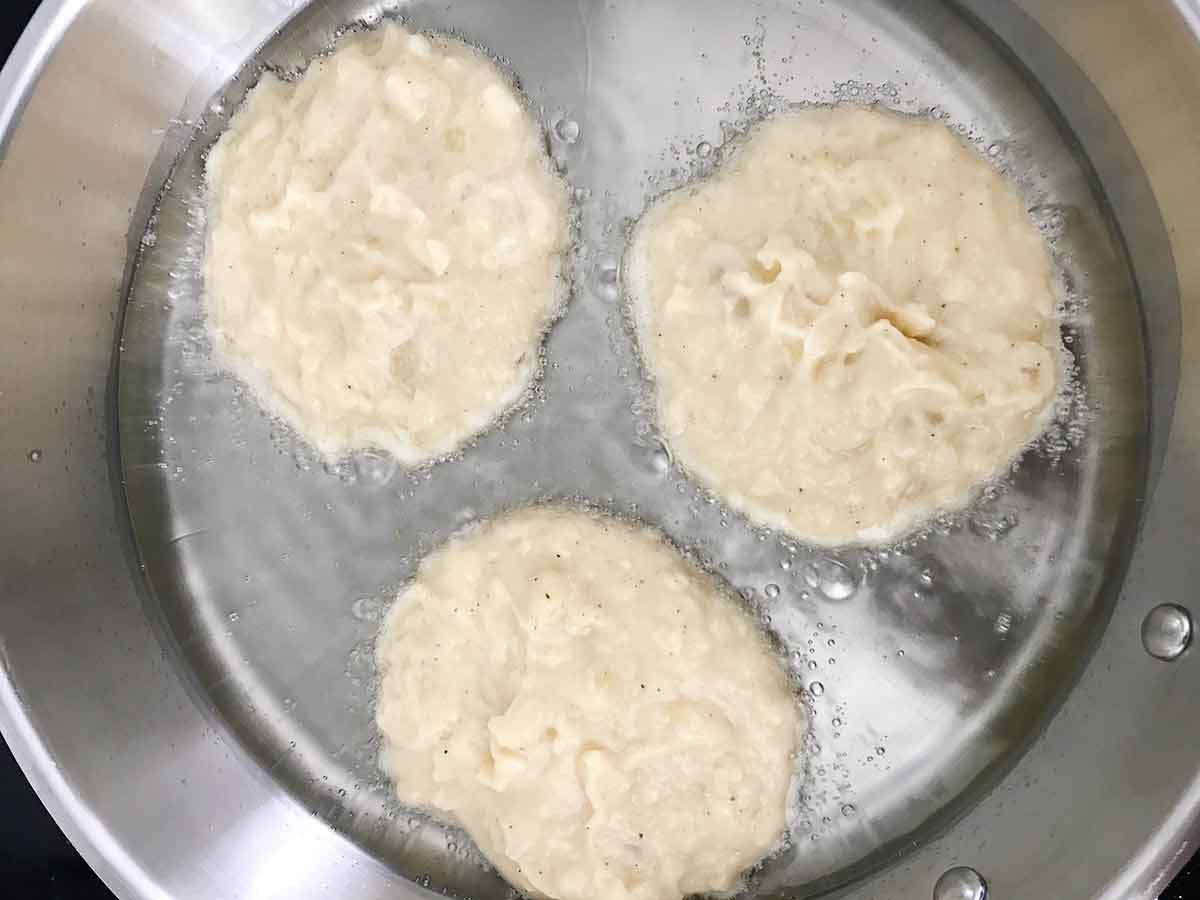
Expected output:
(908, 657)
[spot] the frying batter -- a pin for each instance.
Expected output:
(596, 712)
(851, 325)
(385, 245)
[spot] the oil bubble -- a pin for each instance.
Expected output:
(567, 130)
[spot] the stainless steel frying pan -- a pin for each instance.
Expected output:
(188, 598)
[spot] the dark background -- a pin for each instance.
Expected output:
(36, 861)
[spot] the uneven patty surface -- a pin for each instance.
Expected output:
(600, 715)
(850, 325)
(385, 243)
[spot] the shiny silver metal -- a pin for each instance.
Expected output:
(153, 695)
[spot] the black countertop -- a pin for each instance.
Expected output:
(36, 861)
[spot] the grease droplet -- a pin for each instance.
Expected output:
(1167, 631)
(567, 130)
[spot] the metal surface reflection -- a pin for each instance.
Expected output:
(202, 727)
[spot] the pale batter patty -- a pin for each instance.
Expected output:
(850, 325)
(385, 243)
(598, 714)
